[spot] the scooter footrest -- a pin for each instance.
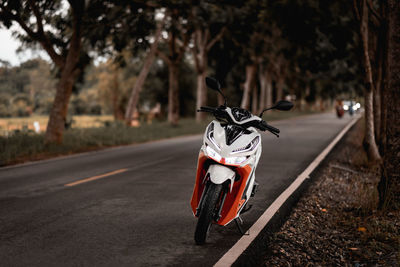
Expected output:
(255, 189)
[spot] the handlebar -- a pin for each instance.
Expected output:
(270, 128)
(261, 125)
(207, 109)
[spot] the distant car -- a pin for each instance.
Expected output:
(351, 106)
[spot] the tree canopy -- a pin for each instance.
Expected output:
(261, 51)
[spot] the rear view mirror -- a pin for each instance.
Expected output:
(283, 105)
(213, 83)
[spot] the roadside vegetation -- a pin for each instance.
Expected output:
(9, 126)
(25, 145)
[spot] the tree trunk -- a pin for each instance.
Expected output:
(200, 39)
(385, 79)
(265, 89)
(377, 111)
(137, 88)
(279, 88)
(262, 77)
(115, 94)
(201, 68)
(177, 50)
(379, 82)
(173, 94)
(248, 85)
(380, 123)
(369, 135)
(254, 101)
(202, 43)
(268, 93)
(58, 114)
(389, 186)
(70, 71)
(201, 98)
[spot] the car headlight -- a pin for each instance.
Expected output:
(250, 147)
(210, 136)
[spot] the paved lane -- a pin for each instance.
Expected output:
(139, 216)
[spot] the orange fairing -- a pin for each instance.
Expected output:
(199, 185)
(233, 201)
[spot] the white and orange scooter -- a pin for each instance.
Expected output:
(225, 178)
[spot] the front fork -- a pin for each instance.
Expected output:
(198, 209)
(224, 192)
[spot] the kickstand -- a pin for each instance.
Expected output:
(238, 221)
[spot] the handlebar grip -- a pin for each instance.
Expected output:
(270, 128)
(206, 109)
(273, 129)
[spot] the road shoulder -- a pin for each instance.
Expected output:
(335, 222)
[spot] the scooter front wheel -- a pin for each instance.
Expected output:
(207, 213)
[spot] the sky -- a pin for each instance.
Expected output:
(8, 47)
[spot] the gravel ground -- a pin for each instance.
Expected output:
(336, 222)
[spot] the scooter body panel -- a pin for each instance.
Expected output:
(219, 174)
(222, 160)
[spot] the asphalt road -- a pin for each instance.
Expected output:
(140, 215)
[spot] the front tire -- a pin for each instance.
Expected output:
(207, 213)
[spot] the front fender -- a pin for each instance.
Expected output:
(219, 174)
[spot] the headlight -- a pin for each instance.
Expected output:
(345, 107)
(217, 157)
(235, 160)
(210, 136)
(251, 146)
(213, 154)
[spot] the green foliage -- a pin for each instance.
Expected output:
(26, 89)
(313, 41)
(156, 88)
(322, 43)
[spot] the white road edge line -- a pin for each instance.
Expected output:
(242, 244)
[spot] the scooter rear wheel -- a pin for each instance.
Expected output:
(207, 213)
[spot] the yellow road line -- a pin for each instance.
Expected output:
(96, 177)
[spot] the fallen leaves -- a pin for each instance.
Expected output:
(329, 227)
(361, 229)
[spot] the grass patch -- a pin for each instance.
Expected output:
(27, 146)
(8, 125)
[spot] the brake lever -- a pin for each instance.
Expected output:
(277, 135)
